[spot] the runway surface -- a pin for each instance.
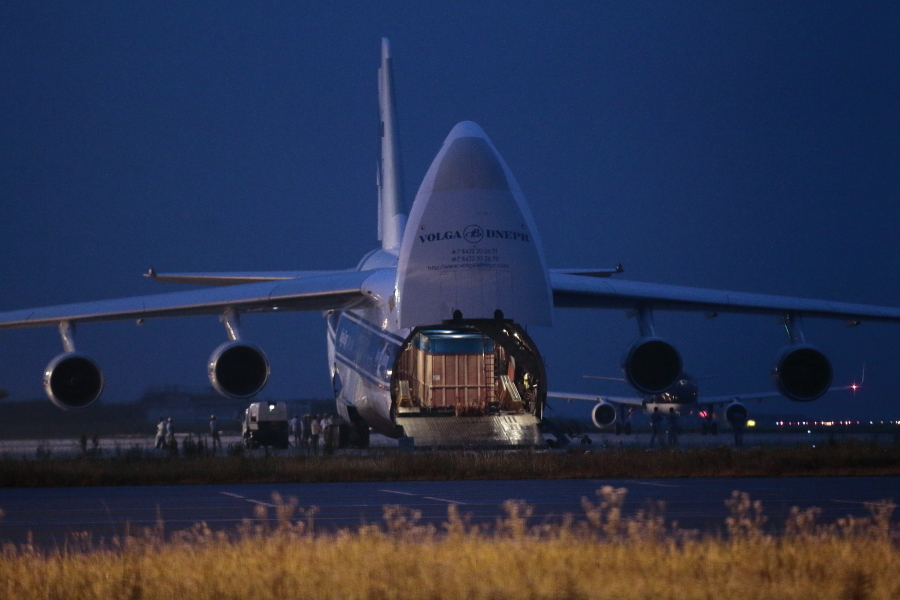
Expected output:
(53, 515)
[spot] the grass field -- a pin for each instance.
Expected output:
(598, 554)
(135, 466)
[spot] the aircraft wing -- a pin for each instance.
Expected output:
(569, 396)
(579, 291)
(314, 291)
(717, 400)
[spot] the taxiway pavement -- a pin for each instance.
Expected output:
(54, 517)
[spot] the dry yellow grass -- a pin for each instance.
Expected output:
(601, 555)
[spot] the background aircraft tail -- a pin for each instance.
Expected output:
(391, 209)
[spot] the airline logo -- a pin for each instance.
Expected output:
(474, 234)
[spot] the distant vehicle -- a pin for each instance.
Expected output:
(265, 424)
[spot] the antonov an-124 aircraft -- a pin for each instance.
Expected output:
(427, 335)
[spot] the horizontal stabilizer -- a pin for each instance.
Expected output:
(569, 396)
(591, 272)
(235, 278)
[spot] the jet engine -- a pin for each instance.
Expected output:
(734, 409)
(603, 414)
(238, 370)
(73, 380)
(802, 373)
(651, 365)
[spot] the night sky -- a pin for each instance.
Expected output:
(746, 146)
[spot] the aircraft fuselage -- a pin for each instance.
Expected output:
(443, 333)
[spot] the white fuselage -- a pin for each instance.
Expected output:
(468, 273)
(363, 345)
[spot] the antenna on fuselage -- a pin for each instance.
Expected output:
(391, 210)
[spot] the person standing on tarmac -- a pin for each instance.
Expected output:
(656, 419)
(738, 422)
(672, 420)
(295, 430)
(160, 433)
(315, 428)
(327, 441)
(214, 432)
(325, 425)
(170, 434)
(305, 432)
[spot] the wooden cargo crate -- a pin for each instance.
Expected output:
(452, 381)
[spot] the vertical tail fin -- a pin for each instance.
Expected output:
(391, 211)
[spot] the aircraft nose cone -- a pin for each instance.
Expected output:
(470, 245)
(469, 162)
(466, 129)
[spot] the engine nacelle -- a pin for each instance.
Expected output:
(651, 365)
(238, 370)
(802, 373)
(603, 414)
(73, 381)
(733, 410)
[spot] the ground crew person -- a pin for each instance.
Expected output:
(170, 435)
(656, 420)
(315, 428)
(327, 441)
(160, 433)
(304, 440)
(738, 422)
(296, 430)
(214, 432)
(672, 420)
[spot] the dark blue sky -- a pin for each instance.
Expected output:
(752, 146)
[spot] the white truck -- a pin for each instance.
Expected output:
(265, 424)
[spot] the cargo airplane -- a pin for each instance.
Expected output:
(683, 396)
(427, 335)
